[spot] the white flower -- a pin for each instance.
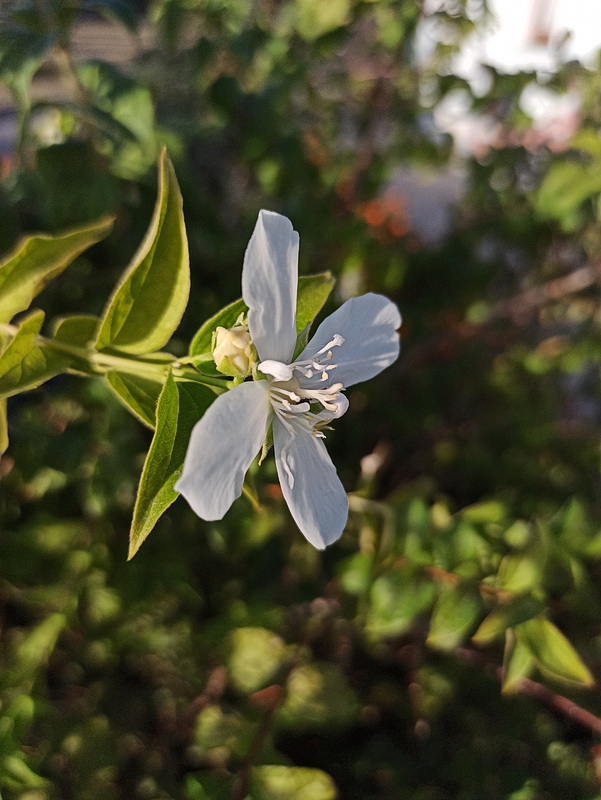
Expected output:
(353, 344)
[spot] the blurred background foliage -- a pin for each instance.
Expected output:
(443, 648)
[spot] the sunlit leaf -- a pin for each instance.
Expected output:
(564, 189)
(518, 663)
(318, 696)
(315, 18)
(507, 615)
(455, 614)
(3, 426)
(180, 406)
(552, 652)
(38, 259)
(253, 657)
(150, 299)
(25, 364)
(283, 783)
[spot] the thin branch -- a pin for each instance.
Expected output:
(537, 691)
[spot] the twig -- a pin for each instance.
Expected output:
(529, 688)
(537, 296)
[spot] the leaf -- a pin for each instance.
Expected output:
(508, 615)
(253, 657)
(454, 615)
(21, 54)
(313, 291)
(565, 188)
(314, 18)
(139, 395)
(226, 318)
(149, 301)
(25, 364)
(179, 408)
(130, 105)
(79, 330)
(517, 663)
(38, 259)
(552, 652)
(3, 427)
(396, 600)
(33, 651)
(318, 696)
(282, 783)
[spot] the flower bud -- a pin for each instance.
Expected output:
(233, 351)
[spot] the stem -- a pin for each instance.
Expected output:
(145, 367)
(529, 688)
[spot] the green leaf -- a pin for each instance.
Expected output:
(454, 615)
(38, 259)
(179, 408)
(508, 615)
(318, 696)
(25, 364)
(282, 783)
(226, 318)
(21, 54)
(313, 291)
(314, 18)
(518, 663)
(138, 394)
(149, 301)
(552, 652)
(565, 188)
(33, 651)
(253, 657)
(79, 330)
(3, 426)
(396, 599)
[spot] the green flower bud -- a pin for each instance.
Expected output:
(233, 351)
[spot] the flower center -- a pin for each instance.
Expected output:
(292, 401)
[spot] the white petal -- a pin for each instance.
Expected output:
(311, 487)
(368, 325)
(269, 283)
(222, 447)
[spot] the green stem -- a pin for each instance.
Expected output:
(145, 367)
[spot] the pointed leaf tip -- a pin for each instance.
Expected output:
(149, 301)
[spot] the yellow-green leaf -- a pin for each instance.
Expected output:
(507, 615)
(148, 303)
(454, 615)
(38, 259)
(284, 783)
(25, 363)
(552, 652)
(3, 426)
(518, 663)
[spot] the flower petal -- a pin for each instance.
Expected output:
(311, 487)
(222, 446)
(368, 325)
(269, 284)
